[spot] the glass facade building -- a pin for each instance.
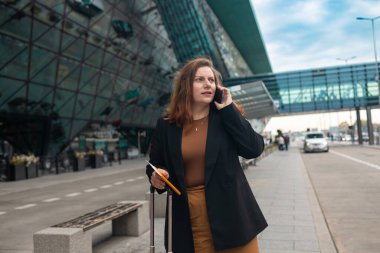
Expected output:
(68, 64)
(63, 66)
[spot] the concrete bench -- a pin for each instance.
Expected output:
(129, 218)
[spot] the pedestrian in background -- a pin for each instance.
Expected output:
(196, 146)
(286, 142)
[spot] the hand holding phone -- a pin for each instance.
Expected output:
(218, 97)
(222, 97)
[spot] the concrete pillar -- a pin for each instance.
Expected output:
(359, 126)
(369, 126)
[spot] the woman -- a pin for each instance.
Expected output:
(196, 146)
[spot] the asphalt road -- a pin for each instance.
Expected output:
(347, 184)
(26, 211)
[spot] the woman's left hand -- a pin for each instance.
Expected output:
(227, 98)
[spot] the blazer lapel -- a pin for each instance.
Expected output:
(174, 142)
(212, 145)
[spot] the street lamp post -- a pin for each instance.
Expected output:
(346, 59)
(377, 78)
(374, 48)
(351, 131)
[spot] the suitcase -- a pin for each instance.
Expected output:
(151, 215)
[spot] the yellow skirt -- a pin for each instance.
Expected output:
(202, 235)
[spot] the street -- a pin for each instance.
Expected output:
(347, 185)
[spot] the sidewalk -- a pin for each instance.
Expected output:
(284, 192)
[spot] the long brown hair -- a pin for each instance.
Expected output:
(179, 109)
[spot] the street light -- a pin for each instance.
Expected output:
(346, 59)
(374, 47)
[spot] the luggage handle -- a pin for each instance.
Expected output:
(151, 214)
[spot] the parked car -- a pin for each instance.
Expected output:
(133, 152)
(314, 142)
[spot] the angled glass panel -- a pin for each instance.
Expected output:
(67, 40)
(9, 48)
(67, 109)
(63, 99)
(99, 106)
(19, 26)
(96, 58)
(115, 114)
(18, 68)
(6, 13)
(106, 90)
(71, 81)
(8, 88)
(40, 59)
(38, 29)
(46, 103)
(105, 81)
(90, 86)
(90, 50)
(127, 114)
(17, 102)
(47, 74)
(88, 74)
(39, 99)
(111, 63)
(120, 86)
(75, 50)
(83, 106)
(59, 135)
(50, 39)
(137, 73)
(66, 68)
(77, 127)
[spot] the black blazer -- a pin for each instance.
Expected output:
(234, 215)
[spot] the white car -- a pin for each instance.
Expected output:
(315, 141)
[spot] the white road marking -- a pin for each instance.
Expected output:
(51, 200)
(131, 180)
(118, 183)
(106, 186)
(140, 177)
(73, 194)
(25, 206)
(1, 213)
(91, 190)
(356, 160)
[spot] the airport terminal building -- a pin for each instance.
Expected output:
(102, 70)
(96, 74)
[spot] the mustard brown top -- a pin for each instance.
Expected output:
(194, 137)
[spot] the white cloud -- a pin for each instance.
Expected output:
(312, 34)
(309, 12)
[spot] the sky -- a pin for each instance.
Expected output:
(305, 34)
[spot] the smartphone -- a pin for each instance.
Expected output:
(218, 97)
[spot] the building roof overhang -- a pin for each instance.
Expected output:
(255, 99)
(238, 20)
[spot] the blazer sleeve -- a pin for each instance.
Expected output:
(156, 156)
(249, 143)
